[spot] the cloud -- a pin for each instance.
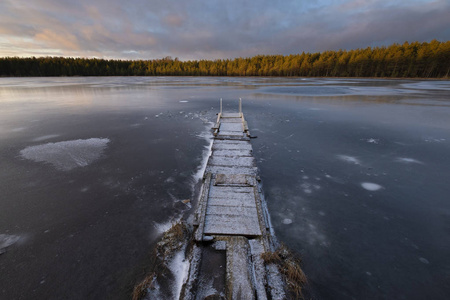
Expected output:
(58, 39)
(213, 29)
(174, 20)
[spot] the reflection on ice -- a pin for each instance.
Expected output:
(68, 154)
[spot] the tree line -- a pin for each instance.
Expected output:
(426, 60)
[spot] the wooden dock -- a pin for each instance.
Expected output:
(232, 224)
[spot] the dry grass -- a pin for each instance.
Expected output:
(177, 231)
(289, 266)
(295, 277)
(271, 257)
(140, 290)
(171, 241)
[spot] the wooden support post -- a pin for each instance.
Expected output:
(201, 210)
(240, 106)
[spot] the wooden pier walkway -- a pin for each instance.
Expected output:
(232, 224)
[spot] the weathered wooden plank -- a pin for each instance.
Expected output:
(243, 137)
(232, 153)
(203, 203)
(225, 191)
(232, 225)
(232, 170)
(230, 133)
(234, 179)
(231, 127)
(245, 126)
(245, 161)
(239, 276)
(231, 120)
(256, 249)
(245, 201)
(244, 211)
(237, 145)
(230, 142)
(231, 115)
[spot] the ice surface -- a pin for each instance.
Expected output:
(67, 155)
(371, 186)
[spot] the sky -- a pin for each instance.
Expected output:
(213, 29)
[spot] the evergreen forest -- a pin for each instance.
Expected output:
(409, 60)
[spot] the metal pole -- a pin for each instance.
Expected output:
(240, 105)
(220, 105)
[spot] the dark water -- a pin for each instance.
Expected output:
(355, 173)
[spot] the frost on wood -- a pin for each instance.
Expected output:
(231, 227)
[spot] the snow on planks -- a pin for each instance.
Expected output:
(231, 208)
(232, 219)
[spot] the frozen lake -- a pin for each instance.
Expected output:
(355, 172)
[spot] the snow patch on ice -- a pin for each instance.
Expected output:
(155, 291)
(163, 227)
(206, 288)
(180, 269)
(45, 137)
(67, 155)
(434, 140)
(18, 129)
(371, 186)
(7, 240)
(206, 135)
(349, 159)
(287, 221)
(408, 160)
(184, 101)
(424, 260)
(372, 141)
(315, 236)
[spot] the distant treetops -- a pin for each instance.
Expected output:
(426, 60)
